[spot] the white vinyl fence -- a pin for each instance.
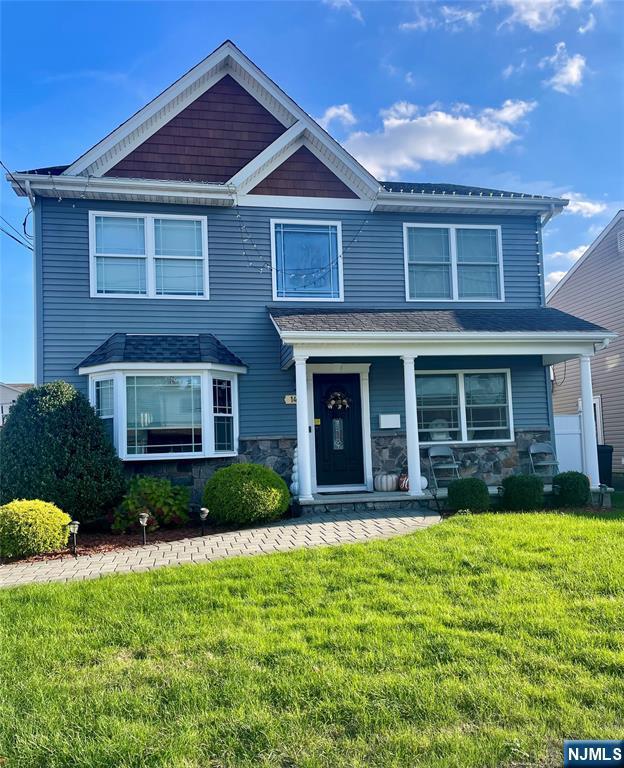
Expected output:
(569, 442)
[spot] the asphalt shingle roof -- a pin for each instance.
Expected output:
(161, 348)
(540, 319)
(428, 188)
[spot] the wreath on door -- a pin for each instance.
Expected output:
(337, 401)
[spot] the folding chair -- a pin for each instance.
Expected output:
(442, 464)
(543, 460)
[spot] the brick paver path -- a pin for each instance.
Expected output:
(307, 531)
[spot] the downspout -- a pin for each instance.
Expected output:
(29, 192)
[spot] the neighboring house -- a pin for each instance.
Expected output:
(8, 395)
(226, 282)
(594, 290)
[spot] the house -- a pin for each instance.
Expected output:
(594, 290)
(227, 283)
(8, 395)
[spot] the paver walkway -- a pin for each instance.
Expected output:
(308, 531)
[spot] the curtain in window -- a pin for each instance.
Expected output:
(429, 263)
(437, 402)
(164, 414)
(306, 257)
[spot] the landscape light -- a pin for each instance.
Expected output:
(73, 529)
(203, 514)
(143, 518)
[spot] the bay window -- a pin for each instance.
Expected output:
(306, 260)
(149, 256)
(161, 414)
(453, 263)
(464, 406)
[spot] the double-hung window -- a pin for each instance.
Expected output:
(453, 263)
(306, 259)
(464, 406)
(168, 414)
(155, 256)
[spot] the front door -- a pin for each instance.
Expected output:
(338, 429)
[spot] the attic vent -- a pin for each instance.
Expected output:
(620, 241)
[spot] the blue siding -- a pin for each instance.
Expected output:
(72, 324)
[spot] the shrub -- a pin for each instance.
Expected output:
(54, 447)
(469, 493)
(166, 504)
(573, 489)
(523, 492)
(244, 493)
(32, 527)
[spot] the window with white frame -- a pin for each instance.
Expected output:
(464, 406)
(169, 414)
(148, 256)
(453, 263)
(306, 260)
(104, 405)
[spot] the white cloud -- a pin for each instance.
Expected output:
(574, 254)
(452, 17)
(537, 15)
(569, 70)
(581, 206)
(409, 136)
(552, 278)
(340, 113)
(345, 5)
(512, 69)
(588, 26)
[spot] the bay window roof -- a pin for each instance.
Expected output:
(161, 348)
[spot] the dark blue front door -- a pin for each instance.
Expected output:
(338, 429)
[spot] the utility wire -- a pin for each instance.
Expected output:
(21, 242)
(8, 223)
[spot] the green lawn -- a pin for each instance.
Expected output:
(480, 642)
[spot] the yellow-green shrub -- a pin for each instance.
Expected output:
(244, 493)
(32, 527)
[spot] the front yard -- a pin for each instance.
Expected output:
(483, 641)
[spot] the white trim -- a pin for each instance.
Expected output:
(167, 367)
(308, 203)
(452, 235)
(460, 373)
(149, 256)
(367, 451)
(120, 372)
(619, 216)
(304, 222)
(597, 415)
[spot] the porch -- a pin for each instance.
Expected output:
(367, 399)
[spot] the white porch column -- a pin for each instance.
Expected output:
(590, 450)
(411, 426)
(303, 428)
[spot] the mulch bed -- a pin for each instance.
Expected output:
(101, 543)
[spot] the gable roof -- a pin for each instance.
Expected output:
(161, 348)
(619, 216)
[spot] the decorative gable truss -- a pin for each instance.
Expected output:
(224, 115)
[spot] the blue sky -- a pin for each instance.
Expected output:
(518, 94)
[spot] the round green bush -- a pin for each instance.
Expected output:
(245, 493)
(32, 527)
(571, 489)
(165, 503)
(54, 447)
(469, 493)
(523, 492)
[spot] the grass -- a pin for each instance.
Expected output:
(479, 643)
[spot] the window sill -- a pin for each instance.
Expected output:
(467, 443)
(178, 456)
(145, 296)
(307, 298)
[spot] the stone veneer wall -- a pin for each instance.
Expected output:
(274, 453)
(489, 462)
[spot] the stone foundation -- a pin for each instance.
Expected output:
(491, 463)
(273, 453)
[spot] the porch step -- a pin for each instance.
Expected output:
(364, 502)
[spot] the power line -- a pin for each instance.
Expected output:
(23, 244)
(8, 223)
(14, 179)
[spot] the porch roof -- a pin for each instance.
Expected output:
(544, 331)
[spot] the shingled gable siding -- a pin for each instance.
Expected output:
(305, 175)
(75, 324)
(210, 140)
